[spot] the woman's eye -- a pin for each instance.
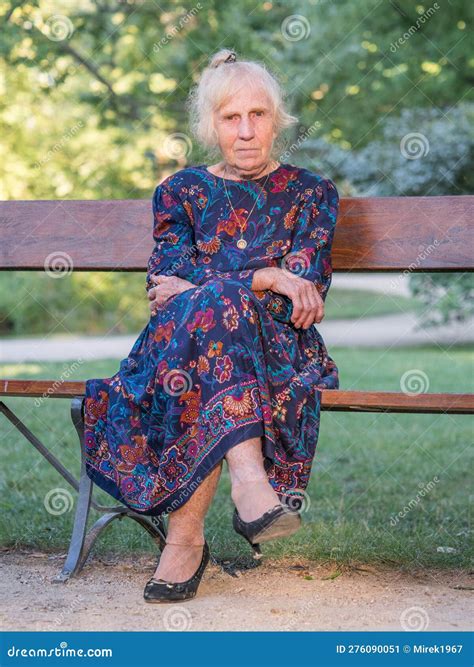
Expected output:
(256, 113)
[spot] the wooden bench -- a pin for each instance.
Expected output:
(373, 234)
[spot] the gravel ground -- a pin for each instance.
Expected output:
(277, 595)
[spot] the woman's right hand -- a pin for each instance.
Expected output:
(165, 288)
(308, 305)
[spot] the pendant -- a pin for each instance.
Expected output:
(241, 243)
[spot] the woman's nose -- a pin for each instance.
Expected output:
(246, 130)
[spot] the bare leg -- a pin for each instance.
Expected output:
(186, 526)
(251, 492)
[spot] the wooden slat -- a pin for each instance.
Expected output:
(397, 233)
(332, 399)
(45, 388)
(390, 401)
(372, 234)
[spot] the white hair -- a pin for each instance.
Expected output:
(218, 82)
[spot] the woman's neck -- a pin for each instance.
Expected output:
(228, 171)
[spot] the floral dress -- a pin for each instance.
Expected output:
(219, 363)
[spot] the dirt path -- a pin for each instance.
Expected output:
(279, 596)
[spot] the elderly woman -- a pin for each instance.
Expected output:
(229, 365)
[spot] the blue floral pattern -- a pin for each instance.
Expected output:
(219, 363)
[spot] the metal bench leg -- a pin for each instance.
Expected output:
(82, 543)
(75, 559)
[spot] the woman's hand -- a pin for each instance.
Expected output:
(308, 305)
(166, 287)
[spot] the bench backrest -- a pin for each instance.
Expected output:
(372, 234)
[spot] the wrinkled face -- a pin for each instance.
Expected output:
(244, 126)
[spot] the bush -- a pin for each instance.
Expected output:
(423, 152)
(90, 302)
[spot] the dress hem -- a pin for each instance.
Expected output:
(213, 459)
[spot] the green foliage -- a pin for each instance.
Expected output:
(421, 152)
(446, 298)
(91, 302)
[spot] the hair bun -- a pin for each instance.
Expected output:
(223, 57)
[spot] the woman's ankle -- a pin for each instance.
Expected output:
(185, 532)
(253, 498)
(178, 563)
(191, 539)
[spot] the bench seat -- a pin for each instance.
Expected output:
(332, 399)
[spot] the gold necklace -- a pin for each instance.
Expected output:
(242, 243)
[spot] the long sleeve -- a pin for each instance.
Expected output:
(310, 253)
(175, 252)
(245, 276)
(312, 244)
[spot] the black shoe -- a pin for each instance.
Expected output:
(159, 590)
(277, 522)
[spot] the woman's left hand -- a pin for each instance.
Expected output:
(308, 305)
(166, 287)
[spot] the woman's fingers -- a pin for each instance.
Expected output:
(306, 310)
(167, 289)
(308, 306)
(158, 297)
(318, 306)
(297, 307)
(315, 308)
(320, 310)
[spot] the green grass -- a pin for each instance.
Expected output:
(368, 467)
(347, 304)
